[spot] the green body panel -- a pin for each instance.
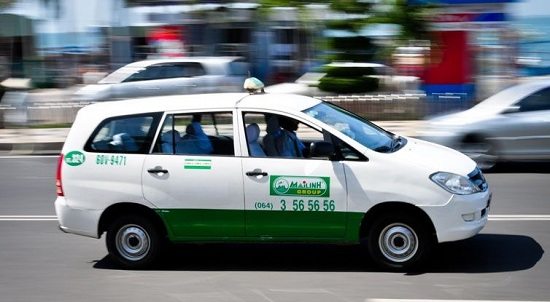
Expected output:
(189, 223)
(200, 225)
(296, 224)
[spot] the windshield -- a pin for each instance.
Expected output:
(506, 97)
(120, 75)
(355, 127)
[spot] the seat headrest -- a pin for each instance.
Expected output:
(172, 135)
(253, 132)
(272, 124)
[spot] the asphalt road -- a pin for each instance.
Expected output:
(506, 261)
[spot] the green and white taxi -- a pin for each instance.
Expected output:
(256, 167)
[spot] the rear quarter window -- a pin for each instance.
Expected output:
(124, 134)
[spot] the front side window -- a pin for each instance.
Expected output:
(124, 134)
(197, 134)
(355, 127)
(537, 101)
(272, 135)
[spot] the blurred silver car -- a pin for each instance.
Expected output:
(308, 82)
(512, 125)
(187, 75)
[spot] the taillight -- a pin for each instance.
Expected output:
(58, 185)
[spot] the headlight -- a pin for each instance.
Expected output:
(454, 183)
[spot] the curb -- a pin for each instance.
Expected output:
(46, 148)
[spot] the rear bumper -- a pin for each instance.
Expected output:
(77, 221)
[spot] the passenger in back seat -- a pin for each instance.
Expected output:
(195, 141)
(124, 142)
(170, 142)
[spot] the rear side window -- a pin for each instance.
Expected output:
(124, 134)
(208, 133)
(168, 71)
(238, 68)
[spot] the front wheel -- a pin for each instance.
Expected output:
(133, 242)
(399, 242)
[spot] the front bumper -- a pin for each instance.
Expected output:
(462, 217)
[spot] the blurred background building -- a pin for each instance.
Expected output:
(458, 49)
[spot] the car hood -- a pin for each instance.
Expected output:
(462, 118)
(434, 157)
(95, 92)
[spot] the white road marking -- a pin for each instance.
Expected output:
(302, 291)
(26, 156)
(503, 217)
(430, 300)
(519, 217)
(28, 218)
(259, 293)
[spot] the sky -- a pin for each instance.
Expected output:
(530, 8)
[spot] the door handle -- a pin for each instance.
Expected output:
(256, 173)
(158, 170)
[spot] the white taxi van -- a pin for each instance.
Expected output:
(260, 168)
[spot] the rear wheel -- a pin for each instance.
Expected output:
(133, 242)
(399, 242)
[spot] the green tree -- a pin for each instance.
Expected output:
(6, 3)
(413, 19)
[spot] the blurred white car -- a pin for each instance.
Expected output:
(308, 82)
(388, 80)
(512, 125)
(188, 75)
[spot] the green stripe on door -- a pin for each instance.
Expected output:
(194, 225)
(198, 164)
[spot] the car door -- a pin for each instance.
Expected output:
(108, 170)
(144, 82)
(291, 198)
(179, 78)
(192, 78)
(526, 129)
(191, 178)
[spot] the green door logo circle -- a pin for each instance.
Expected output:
(75, 158)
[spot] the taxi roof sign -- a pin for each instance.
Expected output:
(253, 85)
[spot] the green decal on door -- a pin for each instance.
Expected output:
(315, 186)
(75, 158)
(198, 164)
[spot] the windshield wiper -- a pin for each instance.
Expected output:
(397, 143)
(383, 149)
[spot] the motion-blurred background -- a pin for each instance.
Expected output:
(391, 59)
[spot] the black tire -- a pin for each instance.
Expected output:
(133, 242)
(399, 242)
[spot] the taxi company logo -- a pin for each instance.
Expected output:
(299, 186)
(75, 158)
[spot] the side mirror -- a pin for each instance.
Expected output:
(511, 109)
(322, 149)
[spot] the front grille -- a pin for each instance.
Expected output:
(477, 178)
